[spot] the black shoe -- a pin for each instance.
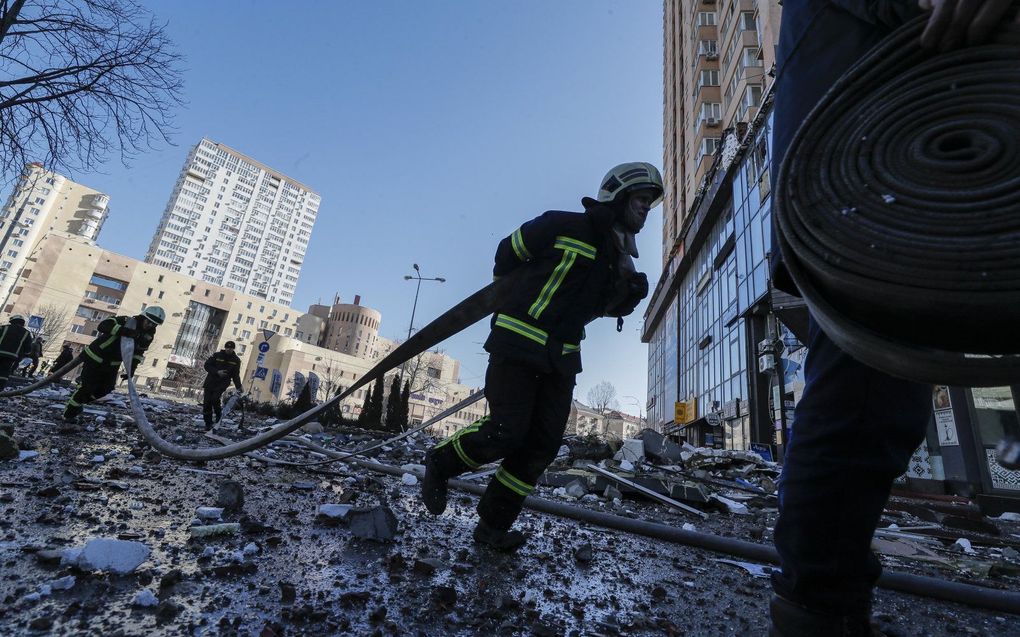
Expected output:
(506, 541)
(793, 620)
(433, 486)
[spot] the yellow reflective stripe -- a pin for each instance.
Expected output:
(93, 355)
(517, 242)
(553, 284)
(510, 482)
(576, 246)
(72, 402)
(522, 328)
(570, 349)
(475, 426)
(113, 336)
(463, 456)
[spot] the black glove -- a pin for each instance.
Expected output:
(638, 286)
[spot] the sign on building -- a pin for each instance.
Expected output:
(264, 347)
(260, 372)
(685, 411)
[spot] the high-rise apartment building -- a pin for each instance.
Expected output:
(716, 60)
(235, 222)
(44, 201)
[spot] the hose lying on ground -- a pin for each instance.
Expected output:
(897, 205)
(978, 596)
(55, 376)
(463, 315)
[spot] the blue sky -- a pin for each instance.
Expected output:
(431, 130)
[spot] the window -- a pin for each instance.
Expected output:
(155, 361)
(160, 295)
(706, 19)
(708, 78)
(148, 292)
(12, 253)
(245, 334)
(251, 320)
(108, 283)
(709, 145)
(746, 22)
(707, 47)
(711, 112)
(750, 57)
(752, 96)
(160, 279)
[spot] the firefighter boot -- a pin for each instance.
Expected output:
(433, 485)
(506, 541)
(792, 620)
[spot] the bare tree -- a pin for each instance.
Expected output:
(420, 371)
(81, 79)
(56, 321)
(602, 397)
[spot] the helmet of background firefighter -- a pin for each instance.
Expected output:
(626, 178)
(154, 314)
(17, 319)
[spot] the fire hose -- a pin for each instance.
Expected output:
(55, 376)
(464, 314)
(896, 210)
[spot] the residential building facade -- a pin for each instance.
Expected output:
(233, 221)
(43, 201)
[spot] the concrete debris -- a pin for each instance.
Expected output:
(145, 598)
(64, 583)
(333, 511)
(374, 523)
(8, 448)
(626, 465)
(732, 506)
(584, 553)
(231, 496)
(209, 513)
(659, 448)
(633, 450)
(409, 479)
(228, 528)
(25, 455)
(577, 489)
(965, 546)
(313, 427)
(113, 555)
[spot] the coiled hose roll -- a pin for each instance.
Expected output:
(897, 210)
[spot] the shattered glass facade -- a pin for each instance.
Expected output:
(752, 212)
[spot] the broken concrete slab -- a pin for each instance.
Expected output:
(633, 450)
(110, 554)
(333, 512)
(209, 530)
(689, 492)
(145, 598)
(660, 448)
(209, 513)
(738, 508)
(577, 488)
(374, 523)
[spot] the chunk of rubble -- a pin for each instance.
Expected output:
(738, 508)
(313, 427)
(145, 599)
(633, 450)
(209, 530)
(25, 455)
(109, 554)
(374, 523)
(231, 496)
(409, 479)
(659, 448)
(333, 512)
(577, 489)
(209, 513)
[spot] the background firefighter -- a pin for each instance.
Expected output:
(15, 342)
(102, 357)
(223, 366)
(576, 268)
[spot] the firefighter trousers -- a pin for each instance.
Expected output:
(528, 411)
(212, 404)
(6, 367)
(96, 381)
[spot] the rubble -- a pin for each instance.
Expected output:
(374, 523)
(145, 598)
(227, 528)
(110, 554)
(231, 496)
(8, 448)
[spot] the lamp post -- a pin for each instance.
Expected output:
(410, 327)
(637, 403)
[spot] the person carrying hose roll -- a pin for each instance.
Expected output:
(575, 267)
(855, 427)
(223, 367)
(15, 343)
(102, 358)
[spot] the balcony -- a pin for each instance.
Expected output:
(97, 201)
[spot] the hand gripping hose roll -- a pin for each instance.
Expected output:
(897, 210)
(466, 313)
(55, 376)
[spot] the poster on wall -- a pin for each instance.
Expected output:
(945, 423)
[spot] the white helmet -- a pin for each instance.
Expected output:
(628, 177)
(18, 317)
(155, 314)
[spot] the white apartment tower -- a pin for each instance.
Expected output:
(42, 202)
(235, 222)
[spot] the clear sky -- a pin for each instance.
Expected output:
(431, 129)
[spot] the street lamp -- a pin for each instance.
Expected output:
(419, 278)
(637, 404)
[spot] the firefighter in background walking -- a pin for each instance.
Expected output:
(15, 343)
(224, 367)
(102, 357)
(34, 354)
(65, 357)
(576, 268)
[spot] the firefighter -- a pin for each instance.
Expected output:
(34, 354)
(65, 357)
(102, 357)
(224, 367)
(15, 343)
(576, 268)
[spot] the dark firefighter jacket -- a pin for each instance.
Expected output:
(820, 40)
(569, 264)
(15, 341)
(63, 358)
(105, 350)
(223, 361)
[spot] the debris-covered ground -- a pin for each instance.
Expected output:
(100, 536)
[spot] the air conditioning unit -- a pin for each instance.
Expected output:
(712, 56)
(766, 363)
(712, 122)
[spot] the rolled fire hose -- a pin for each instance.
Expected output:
(897, 210)
(463, 315)
(55, 376)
